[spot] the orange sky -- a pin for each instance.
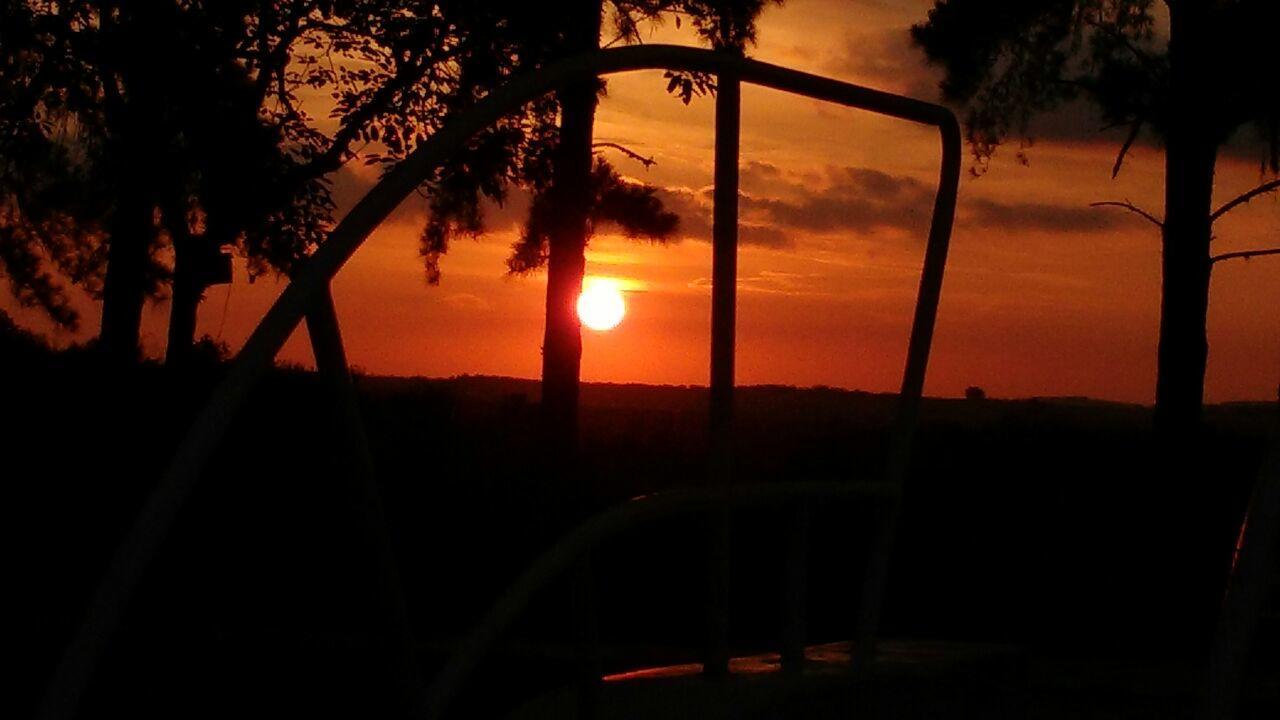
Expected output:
(1043, 295)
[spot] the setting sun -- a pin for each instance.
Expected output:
(601, 305)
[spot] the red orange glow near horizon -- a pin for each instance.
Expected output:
(1043, 296)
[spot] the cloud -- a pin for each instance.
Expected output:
(771, 282)
(756, 174)
(764, 236)
(695, 216)
(1039, 216)
(847, 199)
(694, 209)
(467, 301)
(886, 60)
(777, 206)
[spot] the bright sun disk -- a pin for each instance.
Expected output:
(601, 305)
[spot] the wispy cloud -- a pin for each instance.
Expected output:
(771, 282)
(777, 206)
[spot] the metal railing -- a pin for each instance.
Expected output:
(565, 555)
(307, 297)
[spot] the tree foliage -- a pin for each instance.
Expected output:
(207, 111)
(1007, 61)
(519, 151)
(629, 206)
(48, 209)
(206, 103)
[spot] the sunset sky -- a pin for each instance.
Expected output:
(1043, 295)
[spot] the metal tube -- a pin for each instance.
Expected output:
(724, 249)
(106, 607)
(935, 262)
(331, 361)
(724, 288)
(562, 556)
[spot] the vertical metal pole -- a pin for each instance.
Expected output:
(724, 285)
(331, 361)
(926, 314)
(724, 244)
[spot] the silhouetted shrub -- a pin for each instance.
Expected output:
(209, 351)
(17, 342)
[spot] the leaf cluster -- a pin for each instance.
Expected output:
(1007, 61)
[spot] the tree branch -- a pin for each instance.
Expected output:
(1124, 149)
(1262, 189)
(646, 161)
(1244, 254)
(1118, 35)
(1131, 208)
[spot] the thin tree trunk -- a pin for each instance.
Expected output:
(125, 287)
(566, 263)
(1190, 159)
(1179, 550)
(1184, 307)
(188, 291)
(131, 227)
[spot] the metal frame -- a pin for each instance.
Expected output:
(1253, 577)
(724, 299)
(306, 297)
(562, 557)
(393, 622)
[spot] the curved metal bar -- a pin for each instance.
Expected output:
(615, 521)
(393, 618)
(926, 315)
(1253, 577)
(106, 608)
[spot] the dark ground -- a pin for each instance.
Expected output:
(1058, 526)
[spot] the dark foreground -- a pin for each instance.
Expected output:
(1056, 527)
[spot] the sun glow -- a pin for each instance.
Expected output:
(601, 305)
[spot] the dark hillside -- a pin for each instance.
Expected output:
(1038, 522)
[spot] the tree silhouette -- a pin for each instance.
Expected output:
(629, 206)
(133, 129)
(261, 165)
(261, 182)
(1212, 76)
(52, 214)
(86, 149)
(129, 128)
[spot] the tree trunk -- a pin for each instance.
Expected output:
(1184, 306)
(566, 262)
(188, 291)
(1190, 158)
(1181, 557)
(125, 287)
